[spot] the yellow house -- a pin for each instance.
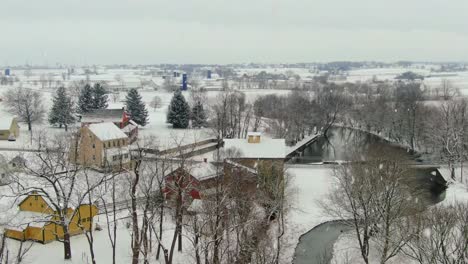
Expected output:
(9, 129)
(38, 221)
(101, 145)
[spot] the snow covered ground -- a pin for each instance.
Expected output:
(309, 185)
(52, 253)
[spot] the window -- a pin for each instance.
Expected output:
(113, 143)
(94, 157)
(125, 156)
(94, 145)
(42, 206)
(35, 197)
(30, 204)
(83, 220)
(89, 219)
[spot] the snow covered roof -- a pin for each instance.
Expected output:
(5, 122)
(205, 170)
(267, 148)
(238, 165)
(106, 131)
(24, 218)
(103, 115)
(130, 127)
(254, 133)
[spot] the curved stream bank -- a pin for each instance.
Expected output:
(316, 245)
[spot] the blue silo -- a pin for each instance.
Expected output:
(208, 74)
(7, 72)
(184, 82)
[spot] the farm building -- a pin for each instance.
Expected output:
(102, 145)
(36, 220)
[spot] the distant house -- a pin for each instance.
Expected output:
(102, 145)
(8, 167)
(116, 116)
(38, 221)
(9, 129)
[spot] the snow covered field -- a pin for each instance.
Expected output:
(163, 133)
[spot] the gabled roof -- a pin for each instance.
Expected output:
(36, 194)
(106, 131)
(5, 123)
(22, 219)
(267, 148)
(205, 170)
(103, 115)
(129, 127)
(199, 170)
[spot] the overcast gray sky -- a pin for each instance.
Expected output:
(231, 31)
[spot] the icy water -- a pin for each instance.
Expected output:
(316, 246)
(340, 141)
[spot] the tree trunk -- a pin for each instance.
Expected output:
(135, 229)
(161, 218)
(66, 244)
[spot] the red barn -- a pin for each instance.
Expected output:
(190, 179)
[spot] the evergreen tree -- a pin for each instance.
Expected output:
(178, 113)
(62, 109)
(198, 115)
(85, 100)
(99, 97)
(136, 108)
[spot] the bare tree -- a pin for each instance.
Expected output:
(448, 90)
(55, 176)
(440, 235)
(26, 104)
(331, 102)
(231, 114)
(373, 197)
(156, 102)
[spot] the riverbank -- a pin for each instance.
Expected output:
(331, 149)
(308, 186)
(346, 249)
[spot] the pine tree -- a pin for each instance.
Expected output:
(136, 108)
(198, 115)
(85, 100)
(62, 109)
(99, 97)
(178, 113)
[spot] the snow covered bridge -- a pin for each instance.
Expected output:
(301, 145)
